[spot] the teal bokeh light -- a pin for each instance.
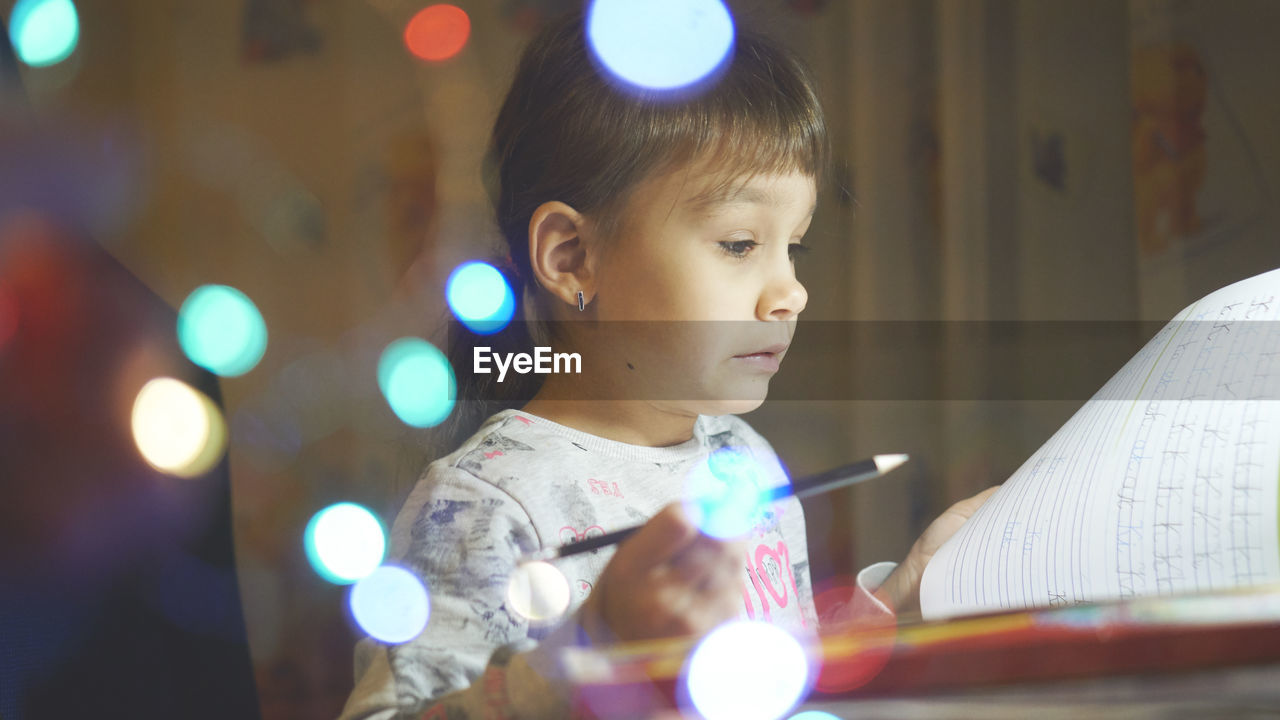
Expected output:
(44, 32)
(221, 329)
(725, 496)
(480, 297)
(660, 44)
(344, 542)
(390, 604)
(726, 678)
(417, 381)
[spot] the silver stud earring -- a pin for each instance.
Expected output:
(582, 303)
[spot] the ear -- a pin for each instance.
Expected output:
(560, 251)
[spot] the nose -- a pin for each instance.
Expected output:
(783, 297)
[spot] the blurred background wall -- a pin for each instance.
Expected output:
(1074, 160)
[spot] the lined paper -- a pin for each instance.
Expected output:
(1164, 482)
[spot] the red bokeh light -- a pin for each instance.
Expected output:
(8, 317)
(438, 32)
(862, 644)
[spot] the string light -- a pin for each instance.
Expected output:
(538, 591)
(177, 429)
(417, 381)
(729, 678)
(220, 329)
(390, 604)
(344, 542)
(438, 32)
(480, 297)
(660, 44)
(44, 32)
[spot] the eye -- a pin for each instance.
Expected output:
(738, 248)
(797, 250)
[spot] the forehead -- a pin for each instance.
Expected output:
(785, 191)
(693, 193)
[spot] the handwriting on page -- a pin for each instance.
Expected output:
(1164, 482)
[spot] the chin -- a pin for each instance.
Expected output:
(732, 397)
(737, 406)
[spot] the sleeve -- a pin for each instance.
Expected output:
(462, 537)
(863, 607)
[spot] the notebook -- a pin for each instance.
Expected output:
(1164, 482)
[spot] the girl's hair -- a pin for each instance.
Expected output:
(568, 132)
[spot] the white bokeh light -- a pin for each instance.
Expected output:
(747, 670)
(660, 44)
(538, 591)
(176, 428)
(390, 604)
(345, 542)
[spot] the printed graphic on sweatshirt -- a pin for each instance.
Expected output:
(493, 446)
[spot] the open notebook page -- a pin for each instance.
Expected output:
(1164, 482)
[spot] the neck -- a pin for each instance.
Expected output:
(635, 422)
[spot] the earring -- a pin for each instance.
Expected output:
(582, 303)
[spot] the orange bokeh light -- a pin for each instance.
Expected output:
(438, 32)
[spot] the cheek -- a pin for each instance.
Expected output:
(651, 292)
(701, 291)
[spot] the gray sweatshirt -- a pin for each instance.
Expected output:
(521, 483)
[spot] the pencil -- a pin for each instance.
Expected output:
(827, 481)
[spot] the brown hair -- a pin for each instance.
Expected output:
(567, 131)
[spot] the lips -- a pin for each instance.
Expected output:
(763, 360)
(774, 350)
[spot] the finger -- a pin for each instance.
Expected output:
(705, 559)
(969, 506)
(665, 535)
(695, 613)
(721, 601)
(727, 583)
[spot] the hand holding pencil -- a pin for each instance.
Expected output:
(808, 486)
(669, 579)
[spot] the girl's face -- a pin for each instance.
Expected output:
(698, 296)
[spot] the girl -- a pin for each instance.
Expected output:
(656, 238)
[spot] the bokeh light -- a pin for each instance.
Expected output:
(390, 604)
(538, 591)
(437, 32)
(44, 32)
(727, 679)
(724, 496)
(344, 542)
(814, 715)
(221, 330)
(178, 430)
(8, 318)
(854, 660)
(660, 44)
(417, 381)
(480, 297)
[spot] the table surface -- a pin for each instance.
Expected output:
(1209, 655)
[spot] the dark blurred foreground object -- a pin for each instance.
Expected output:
(118, 592)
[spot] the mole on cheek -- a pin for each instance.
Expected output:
(630, 366)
